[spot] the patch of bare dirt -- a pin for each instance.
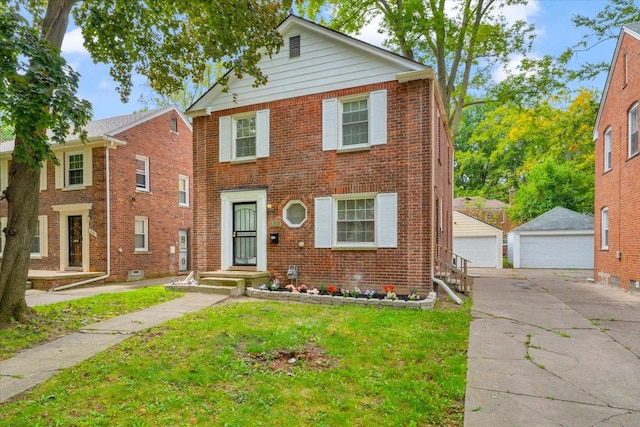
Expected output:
(311, 357)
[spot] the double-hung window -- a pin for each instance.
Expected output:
(633, 130)
(142, 173)
(141, 234)
(183, 190)
(356, 221)
(245, 137)
(354, 122)
(607, 149)
(604, 227)
(75, 169)
(39, 243)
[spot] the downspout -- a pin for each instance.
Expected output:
(108, 201)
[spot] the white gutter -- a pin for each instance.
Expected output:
(108, 201)
(452, 294)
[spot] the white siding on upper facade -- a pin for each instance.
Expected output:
(327, 62)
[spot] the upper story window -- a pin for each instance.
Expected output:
(75, 169)
(174, 124)
(183, 190)
(607, 149)
(354, 122)
(244, 137)
(633, 130)
(142, 173)
(604, 225)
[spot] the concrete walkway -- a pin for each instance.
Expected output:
(33, 366)
(548, 348)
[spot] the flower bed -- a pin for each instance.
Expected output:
(331, 296)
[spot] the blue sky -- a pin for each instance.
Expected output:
(552, 19)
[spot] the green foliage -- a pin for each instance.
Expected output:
(37, 90)
(506, 143)
(224, 366)
(605, 26)
(56, 320)
(463, 44)
(550, 184)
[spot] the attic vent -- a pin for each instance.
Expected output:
(294, 47)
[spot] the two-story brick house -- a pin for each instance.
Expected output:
(341, 165)
(617, 188)
(117, 207)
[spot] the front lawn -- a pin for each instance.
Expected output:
(271, 364)
(63, 318)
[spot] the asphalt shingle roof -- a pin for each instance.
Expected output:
(558, 218)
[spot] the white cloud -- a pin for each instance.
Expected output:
(511, 68)
(73, 42)
(369, 33)
(106, 84)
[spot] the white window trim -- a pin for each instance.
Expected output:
(66, 170)
(604, 228)
(633, 108)
(42, 227)
(147, 174)
(284, 213)
(341, 103)
(386, 221)
(332, 121)
(146, 234)
(227, 136)
(607, 149)
(186, 190)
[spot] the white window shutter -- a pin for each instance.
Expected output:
(224, 132)
(43, 176)
(323, 222)
(59, 171)
(44, 236)
(378, 117)
(87, 166)
(387, 220)
(329, 124)
(4, 175)
(262, 133)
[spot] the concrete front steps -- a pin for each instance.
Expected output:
(232, 283)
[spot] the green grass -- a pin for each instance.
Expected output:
(63, 318)
(228, 366)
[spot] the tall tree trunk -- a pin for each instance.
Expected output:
(22, 195)
(23, 200)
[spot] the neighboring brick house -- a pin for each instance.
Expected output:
(617, 188)
(340, 165)
(117, 207)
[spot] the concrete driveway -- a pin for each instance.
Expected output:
(549, 348)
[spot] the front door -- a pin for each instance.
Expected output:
(75, 241)
(183, 250)
(244, 234)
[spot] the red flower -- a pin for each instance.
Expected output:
(389, 288)
(332, 290)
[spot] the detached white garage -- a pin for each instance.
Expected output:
(477, 241)
(560, 238)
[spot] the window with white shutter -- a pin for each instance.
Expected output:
(244, 136)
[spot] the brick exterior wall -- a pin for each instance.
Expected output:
(170, 154)
(298, 169)
(617, 189)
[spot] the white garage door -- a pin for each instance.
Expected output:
(568, 251)
(480, 250)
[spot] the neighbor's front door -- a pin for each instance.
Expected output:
(75, 241)
(244, 234)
